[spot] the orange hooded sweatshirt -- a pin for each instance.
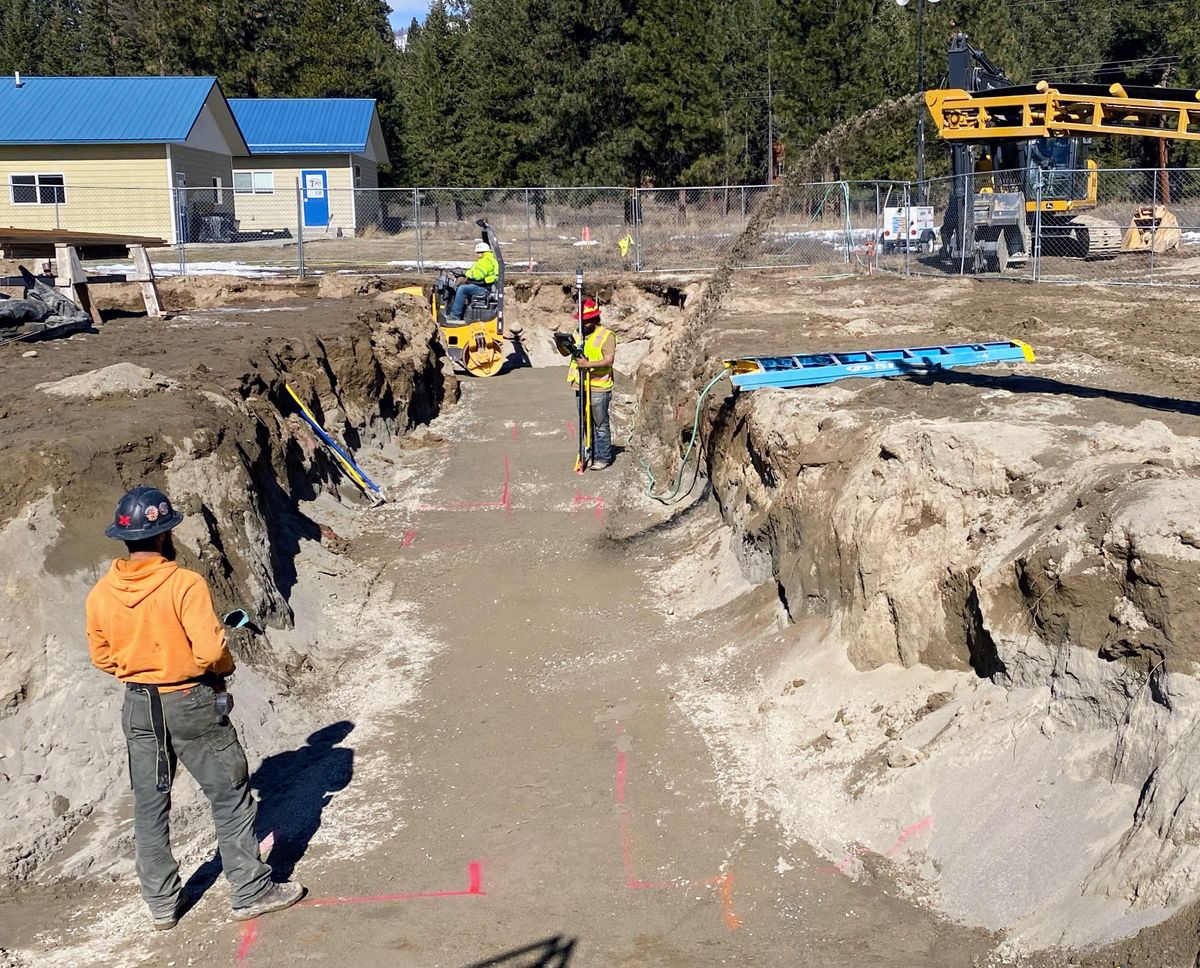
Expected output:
(153, 622)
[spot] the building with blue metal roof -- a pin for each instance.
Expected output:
(328, 150)
(103, 154)
(171, 158)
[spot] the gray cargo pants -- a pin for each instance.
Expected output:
(208, 747)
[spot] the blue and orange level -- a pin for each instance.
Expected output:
(756, 372)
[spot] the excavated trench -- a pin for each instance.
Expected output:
(220, 434)
(991, 588)
(199, 406)
(978, 682)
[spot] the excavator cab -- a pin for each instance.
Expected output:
(477, 343)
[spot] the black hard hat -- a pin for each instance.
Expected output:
(143, 513)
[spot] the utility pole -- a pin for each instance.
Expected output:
(770, 120)
(921, 88)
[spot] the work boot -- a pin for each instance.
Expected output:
(602, 465)
(168, 921)
(274, 898)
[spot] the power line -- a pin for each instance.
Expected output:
(1151, 59)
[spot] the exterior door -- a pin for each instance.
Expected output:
(316, 198)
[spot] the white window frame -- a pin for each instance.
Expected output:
(254, 183)
(37, 187)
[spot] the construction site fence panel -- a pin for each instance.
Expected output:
(268, 224)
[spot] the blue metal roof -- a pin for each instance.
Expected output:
(299, 125)
(100, 110)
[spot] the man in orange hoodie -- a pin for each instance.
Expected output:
(151, 624)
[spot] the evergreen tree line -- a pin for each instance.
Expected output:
(617, 92)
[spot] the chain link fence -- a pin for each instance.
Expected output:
(1121, 226)
(1107, 226)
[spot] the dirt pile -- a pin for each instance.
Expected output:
(221, 434)
(637, 311)
(993, 579)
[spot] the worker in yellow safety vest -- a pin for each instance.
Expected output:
(480, 278)
(599, 351)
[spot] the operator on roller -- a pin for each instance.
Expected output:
(599, 352)
(151, 624)
(480, 278)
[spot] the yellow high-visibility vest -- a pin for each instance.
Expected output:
(600, 377)
(485, 270)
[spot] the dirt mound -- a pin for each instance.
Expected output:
(997, 566)
(123, 378)
(228, 446)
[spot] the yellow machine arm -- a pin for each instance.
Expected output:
(1068, 110)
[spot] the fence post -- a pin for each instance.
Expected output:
(417, 228)
(848, 223)
(876, 232)
(1037, 229)
(1153, 222)
(637, 228)
(178, 204)
(528, 236)
(905, 222)
(299, 229)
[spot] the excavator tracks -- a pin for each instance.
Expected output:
(1103, 237)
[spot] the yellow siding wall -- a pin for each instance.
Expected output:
(119, 189)
(278, 210)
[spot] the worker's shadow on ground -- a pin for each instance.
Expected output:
(553, 952)
(294, 789)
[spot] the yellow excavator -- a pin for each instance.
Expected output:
(1017, 149)
(477, 343)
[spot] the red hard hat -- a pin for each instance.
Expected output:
(591, 311)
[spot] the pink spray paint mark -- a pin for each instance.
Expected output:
(515, 432)
(249, 936)
(925, 823)
(572, 430)
(910, 831)
(596, 501)
(506, 490)
(474, 889)
(504, 504)
(409, 537)
(633, 883)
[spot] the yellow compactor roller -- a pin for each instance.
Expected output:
(477, 343)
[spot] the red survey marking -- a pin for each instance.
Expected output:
(474, 889)
(572, 431)
(910, 831)
(515, 433)
(857, 850)
(723, 881)
(595, 500)
(409, 537)
(504, 504)
(249, 936)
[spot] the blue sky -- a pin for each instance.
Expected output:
(404, 10)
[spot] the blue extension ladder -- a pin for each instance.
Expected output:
(756, 372)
